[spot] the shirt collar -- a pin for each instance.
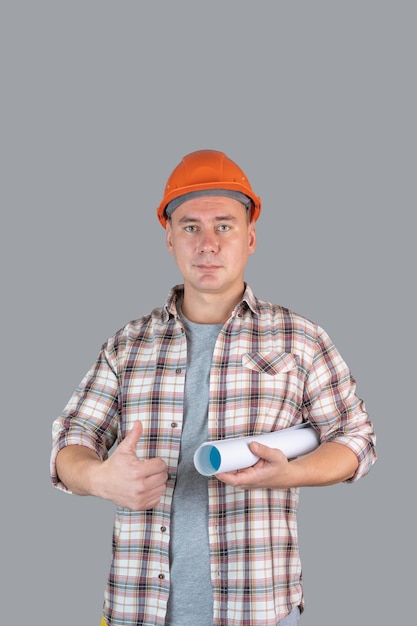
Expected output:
(177, 293)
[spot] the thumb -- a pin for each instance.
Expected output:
(132, 437)
(263, 452)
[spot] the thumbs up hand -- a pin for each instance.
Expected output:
(130, 482)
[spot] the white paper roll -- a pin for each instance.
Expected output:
(227, 455)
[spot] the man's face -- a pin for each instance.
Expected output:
(211, 238)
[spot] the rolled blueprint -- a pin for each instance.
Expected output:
(227, 455)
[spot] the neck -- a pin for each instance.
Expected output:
(209, 308)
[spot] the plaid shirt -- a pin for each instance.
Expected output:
(271, 369)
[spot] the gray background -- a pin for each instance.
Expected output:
(99, 101)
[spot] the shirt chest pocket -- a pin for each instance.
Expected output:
(271, 363)
(275, 391)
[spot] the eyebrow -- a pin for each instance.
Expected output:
(219, 218)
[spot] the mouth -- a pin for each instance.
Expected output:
(207, 267)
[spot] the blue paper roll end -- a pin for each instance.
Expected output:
(207, 460)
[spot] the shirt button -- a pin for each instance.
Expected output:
(161, 576)
(174, 424)
(163, 529)
(178, 370)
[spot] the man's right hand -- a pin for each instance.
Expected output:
(122, 478)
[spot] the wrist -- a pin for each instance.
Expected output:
(94, 476)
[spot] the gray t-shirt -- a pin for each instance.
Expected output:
(191, 596)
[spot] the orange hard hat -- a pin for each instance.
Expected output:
(207, 170)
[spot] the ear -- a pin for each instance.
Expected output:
(251, 238)
(168, 236)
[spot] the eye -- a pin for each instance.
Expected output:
(190, 228)
(223, 228)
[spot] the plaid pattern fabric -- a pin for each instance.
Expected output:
(271, 369)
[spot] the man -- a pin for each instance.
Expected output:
(214, 362)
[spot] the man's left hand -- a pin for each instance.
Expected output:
(271, 471)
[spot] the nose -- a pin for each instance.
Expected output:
(208, 243)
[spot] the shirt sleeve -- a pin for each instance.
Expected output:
(334, 409)
(90, 418)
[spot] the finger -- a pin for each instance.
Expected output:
(155, 467)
